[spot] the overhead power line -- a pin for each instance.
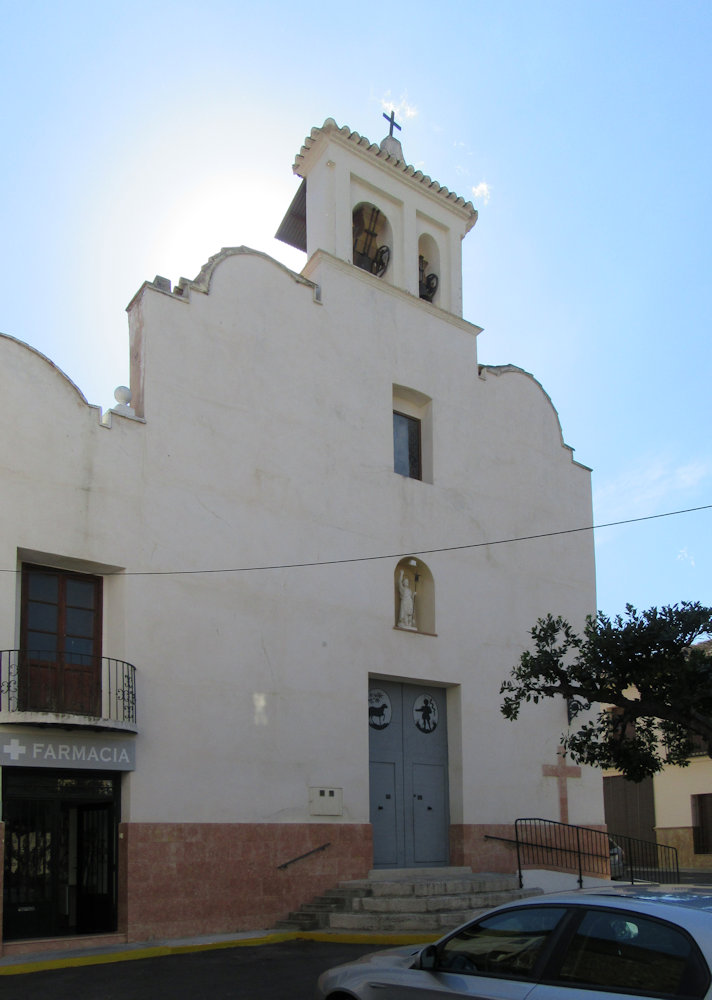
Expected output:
(402, 555)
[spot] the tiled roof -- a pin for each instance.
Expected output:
(382, 154)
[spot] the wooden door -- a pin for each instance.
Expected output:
(60, 664)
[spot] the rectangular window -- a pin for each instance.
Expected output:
(406, 446)
(60, 665)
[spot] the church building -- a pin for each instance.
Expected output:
(254, 619)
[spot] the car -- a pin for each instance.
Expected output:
(605, 942)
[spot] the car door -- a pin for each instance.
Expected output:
(619, 952)
(417, 984)
(495, 958)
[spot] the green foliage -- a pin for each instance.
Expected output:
(653, 692)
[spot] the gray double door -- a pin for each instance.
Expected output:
(408, 775)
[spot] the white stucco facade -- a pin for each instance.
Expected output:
(246, 523)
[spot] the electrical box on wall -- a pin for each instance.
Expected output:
(326, 801)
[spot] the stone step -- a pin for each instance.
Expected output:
(405, 874)
(321, 905)
(434, 900)
(433, 923)
(433, 904)
(345, 890)
(298, 921)
(431, 887)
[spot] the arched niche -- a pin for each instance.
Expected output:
(414, 596)
(428, 268)
(372, 239)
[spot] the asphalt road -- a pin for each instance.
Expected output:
(285, 971)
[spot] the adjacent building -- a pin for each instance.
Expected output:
(673, 807)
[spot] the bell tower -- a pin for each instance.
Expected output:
(362, 203)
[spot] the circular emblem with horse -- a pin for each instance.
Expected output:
(379, 709)
(425, 713)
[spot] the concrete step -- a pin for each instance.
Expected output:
(433, 904)
(696, 876)
(405, 874)
(431, 900)
(428, 887)
(432, 923)
(324, 904)
(299, 922)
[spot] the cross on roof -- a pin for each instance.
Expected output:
(561, 771)
(391, 119)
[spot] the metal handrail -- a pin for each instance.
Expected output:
(109, 695)
(314, 850)
(587, 851)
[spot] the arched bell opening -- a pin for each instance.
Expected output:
(372, 239)
(428, 267)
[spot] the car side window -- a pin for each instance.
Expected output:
(617, 950)
(506, 944)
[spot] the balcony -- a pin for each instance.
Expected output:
(71, 689)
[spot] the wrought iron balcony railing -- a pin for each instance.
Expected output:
(95, 690)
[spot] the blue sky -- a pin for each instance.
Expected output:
(140, 138)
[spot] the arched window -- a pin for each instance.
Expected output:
(414, 594)
(372, 239)
(428, 267)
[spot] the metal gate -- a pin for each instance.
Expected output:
(408, 775)
(60, 853)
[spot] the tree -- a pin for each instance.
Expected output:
(653, 688)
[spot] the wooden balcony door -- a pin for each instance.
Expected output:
(60, 666)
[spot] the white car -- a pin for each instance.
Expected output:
(591, 943)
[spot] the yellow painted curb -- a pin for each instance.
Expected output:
(162, 951)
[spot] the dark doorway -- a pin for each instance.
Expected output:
(702, 824)
(629, 807)
(60, 852)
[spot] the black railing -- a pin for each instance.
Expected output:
(307, 854)
(543, 843)
(645, 860)
(93, 687)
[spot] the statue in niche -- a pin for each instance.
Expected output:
(406, 611)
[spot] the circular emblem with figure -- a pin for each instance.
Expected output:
(379, 709)
(425, 713)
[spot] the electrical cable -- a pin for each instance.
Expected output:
(402, 555)
(413, 552)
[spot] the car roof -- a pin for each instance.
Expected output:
(668, 895)
(688, 906)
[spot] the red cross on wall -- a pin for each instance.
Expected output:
(562, 772)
